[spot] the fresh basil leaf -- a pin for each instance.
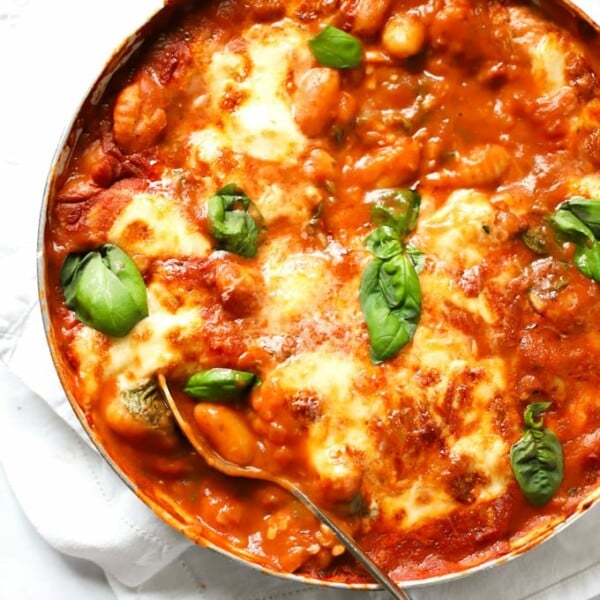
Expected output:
(335, 48)
(399, 284)
(238, 233)
(69, 276)
(417, 257)
(128, 274)
(105, 289)
(232, 194)
(396, 208)
(586, 210)
(390, 327)
(69, 269)
(383, 242)
(390, 291)
(234, 228)
(219, 384)
(537, 458)
(570, 227)
(532, 412)
(587, 260)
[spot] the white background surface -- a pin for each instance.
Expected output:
(50, 52)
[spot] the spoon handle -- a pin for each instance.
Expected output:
(380, 576)
(216, 461)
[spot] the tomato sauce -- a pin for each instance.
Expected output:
(450, 95)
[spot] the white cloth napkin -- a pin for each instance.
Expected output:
(50, 53)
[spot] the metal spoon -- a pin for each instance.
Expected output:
(214, 460)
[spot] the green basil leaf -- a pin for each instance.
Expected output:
(532, 412)
(105, 289)
(219, 384)
(232, 194)
(238, 234)
(390, 327)
(383, 242)
(570, 227)
(537, 458)
(395, 208)
(128, 274)
(69, 276)
(335, 48)
(390, 291)
(417, 257)
(399, 284)
(587, 260)
(578, 221)
(231, 224)
(69, 269)
(586, 210)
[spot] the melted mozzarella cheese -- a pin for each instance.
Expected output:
(276, 203)
(547, 50)
(454, 233)
(442, 287)
(446, 355)
(422, 501)
(153, 225)
(341, 443)
(155, 343)
(261, 125)
(88, 347)
(588, 187)
(488, 454)
(548, 63)
(340, 431)
(294, 284)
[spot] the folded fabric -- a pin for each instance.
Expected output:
(82, 509)
(71, 495)
(80, 506)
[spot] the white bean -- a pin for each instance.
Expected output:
(316, 100)
(139, 116)
(403, 35)
(368, 15)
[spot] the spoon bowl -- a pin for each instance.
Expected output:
(217, 462)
